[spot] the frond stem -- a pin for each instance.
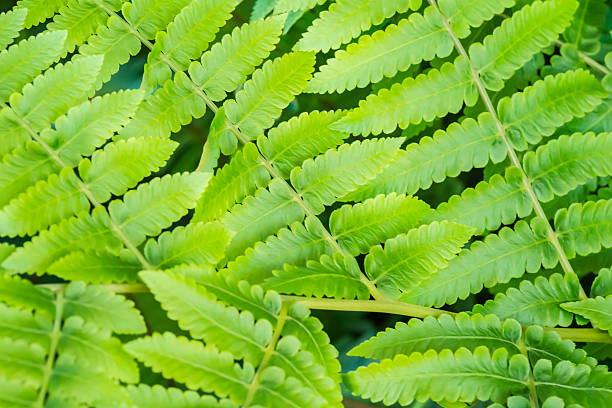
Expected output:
(55, 335)
(376, 294)
(115, 228)
(280, 323)
(588, 60)
(533, 395)
(552, 235)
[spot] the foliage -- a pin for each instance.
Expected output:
(181, 187)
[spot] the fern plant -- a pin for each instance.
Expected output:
(483, 214)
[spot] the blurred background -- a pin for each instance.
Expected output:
(346, 329)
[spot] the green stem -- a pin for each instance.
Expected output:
(533, 395)
(587, 60)
(553, 237)
(280, 323)
(55, 335)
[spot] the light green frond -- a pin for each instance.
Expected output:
(145, 396)
(359, 227)
(260, 216)
(302, 137)
(197, 243)
(6, 250)
(95, 267)
(384, 53)
(602, 284)
(549, 103)
(116, 42)
(21, 361)
(80, 19)
(567, 162)
(151, 16)
(100, 305)
(31, 55)
(518, 38)
(95, 348)
(39, 11)
(598, 310)
(409, 258)
(239, 179)
(154, 206)
(497, 259)
(75, 134)
(462, 376)
(269, 91)
(22, 294)
(585, 228)
(489, 204)
(262, 8)
(82, 232)
(334, 276)
(230, 60)
(586, 27)
(292, 246)
(23, 325)
(172, 106)
(423, 98)
(444, 332)
(329, 176)
(578, 384)
(48, 97)
(346, 19)
(461, 147)
(537, 302)
(186, 38)
(16, 394)
(547, 344)
(11, 22)
(191, 363)
(285, 6)
(210, 320)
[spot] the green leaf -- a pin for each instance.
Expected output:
(150, 16)
(359, 227)
(95, 267)
(11, 23)
(329, 176)
(423, 98)
(22, 294)
(284, 6)
(462, 376)
(231, 60)
(269, 91)
(537, 302)
(39, 11)
(333, 276)
(598, 310)
(409, 258)
(145, 396)
(585, 228)
(22, 361)
(602, 285)
(518, 38)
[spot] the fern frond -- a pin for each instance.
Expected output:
(597, 120)
(602, 284)
(586, 28)
(11, 22)
(346, 19)
(31, 55)
(116, 42)
(150, 16)
(333, 276)
(144, 396)
(585, 228)
(229, 61)
(329, 176)
(557, 99)
(285, 6)
(598, 310)
(574, 383)
(537, 302)
(45, 99)
(186, 38)
(174, 105)
(260, 216)
(154, 206)
(295, 246)
(22, 361)
(462, 376)
(303, 137)
(197, 243)
(74, 135)
(409, 258)
(359, 227)
(518, 38)
(39, 11)
(497, 259)
(269, 91)
(22, 294)
(417, 99)
(232, 183)
(95, 267)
